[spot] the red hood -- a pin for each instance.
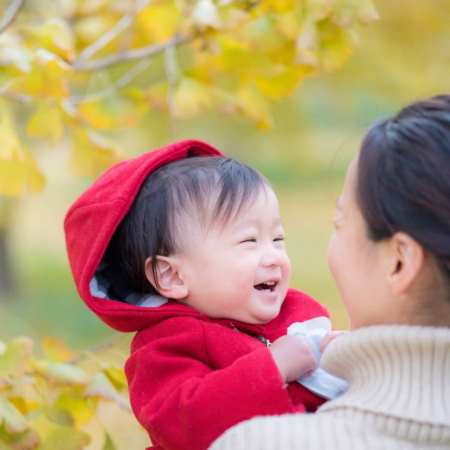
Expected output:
(96, 214)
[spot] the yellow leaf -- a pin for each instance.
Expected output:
(27, 440)
(255, 106)
(14, 360)
(55, 35)
(288, 24)
(316, 10)
(18, 171)
(116, 376)
(283, 83)
(25, 394)
(367, 12)
(335, 46)
(278, 6)
(17, 177)
(262, 35)
(90, 28)
(348, 11)
(56, 350)
(12, 419)
(46, 122)
(191, 98)
(47, 78)
(111, 113)
(101, 386)
(122, 428)
(158, 21)
(91, 153)
(89, 7)
(60, 372)
(79, 409)
(12, 51)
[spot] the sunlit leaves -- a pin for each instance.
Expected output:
(235, 57)
(192, 97)
(158, 21)
(50, 405)
(205, 14)
(91, 153)
(12, 420)
(47, 78)
(46, 122)
(253, 104)
(54, 35)
(18, 170)
(56, 350)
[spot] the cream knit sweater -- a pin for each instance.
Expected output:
(399, 398)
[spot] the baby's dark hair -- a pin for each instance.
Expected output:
(210, 189)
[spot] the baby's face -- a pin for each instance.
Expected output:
(240, 270)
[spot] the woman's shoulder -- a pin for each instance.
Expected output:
(302, 431)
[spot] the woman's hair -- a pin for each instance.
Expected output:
(403, 179)
(210, 190)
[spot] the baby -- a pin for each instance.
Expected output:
(186, 247)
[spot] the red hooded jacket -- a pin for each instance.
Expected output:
(190, 377)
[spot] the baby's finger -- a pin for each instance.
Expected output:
(330, 337)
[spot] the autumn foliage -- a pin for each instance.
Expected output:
(71, 72)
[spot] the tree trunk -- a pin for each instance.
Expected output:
(8, 283)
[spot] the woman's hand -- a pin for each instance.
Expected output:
(293, 357)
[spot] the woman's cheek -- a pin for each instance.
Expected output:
(331, 254)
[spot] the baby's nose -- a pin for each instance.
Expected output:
(272, 257)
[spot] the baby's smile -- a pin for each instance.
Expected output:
(267, 285)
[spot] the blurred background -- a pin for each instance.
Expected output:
(289, 87)
(400, 58)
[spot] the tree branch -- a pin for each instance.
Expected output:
(10, 14)
(118, 28)
(128, 55)
(119, 84)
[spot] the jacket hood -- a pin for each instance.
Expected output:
(90, 224)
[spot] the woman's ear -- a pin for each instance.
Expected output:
(406, 262)
(169, 283)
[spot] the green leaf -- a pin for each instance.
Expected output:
(109, 444)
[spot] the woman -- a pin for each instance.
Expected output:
(390, 257)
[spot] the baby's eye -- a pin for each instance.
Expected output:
(248, 240)
(278, 239)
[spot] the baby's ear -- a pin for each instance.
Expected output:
(168, 282)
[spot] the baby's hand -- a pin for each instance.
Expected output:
(331, 336)
(293, 357)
